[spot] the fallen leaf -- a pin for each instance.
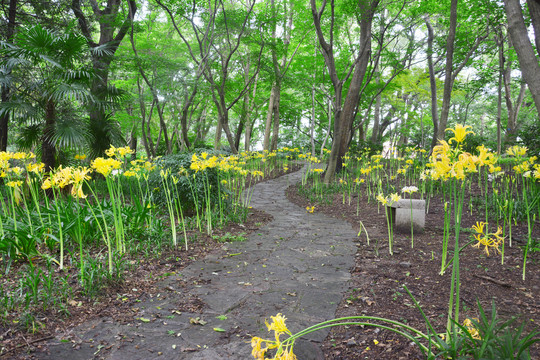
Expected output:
(197, 321)
(144, 320)
(219, 329)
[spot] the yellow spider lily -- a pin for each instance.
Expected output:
(460, 132)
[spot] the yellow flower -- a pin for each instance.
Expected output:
(382, 199)
(80, 157)
(258, 352)
(460, 132)
(479, 227)
(278, 324)
(46, 184)
(14, 184)
(35, 168)
(473, 331)
(310, 209)
(395, 197)
(490, 240)
(105, 166)
(517, 151)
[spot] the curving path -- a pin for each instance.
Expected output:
(298, 265)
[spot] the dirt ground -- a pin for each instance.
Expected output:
(376, 287)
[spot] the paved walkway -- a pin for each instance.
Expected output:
(297, 265)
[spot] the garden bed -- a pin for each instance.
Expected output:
(376, 286)
(66, 306)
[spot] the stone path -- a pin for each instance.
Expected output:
(297, 265)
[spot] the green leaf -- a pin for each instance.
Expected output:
(218, 329)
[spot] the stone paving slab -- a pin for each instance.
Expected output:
(298, 265)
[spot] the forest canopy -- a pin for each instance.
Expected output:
(163, 76)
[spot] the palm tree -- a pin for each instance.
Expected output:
(50, 80)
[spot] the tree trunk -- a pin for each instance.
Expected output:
(273, 145)
(5, 96)
(110, 32)
(48, 150)
(534, 11)
(268, 126)
(312, 122)
(327, 135)
(448, 77)
(375, 137)
(432, 83)
(500, 41)
(528, 62)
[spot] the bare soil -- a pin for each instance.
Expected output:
(376, 287)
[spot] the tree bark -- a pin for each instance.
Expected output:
(534, 11)
(48, 150)
(5, 96)
(500, 42)
(249, 121)
(448, 77)
(432, 83)
(268, 124)
(344, 114)
(528, 62)
(101, 62)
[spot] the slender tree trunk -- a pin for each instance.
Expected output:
(327, 135)
(268, 127)
(275, 132)
(500, 41)
(432, 83)
(376, 118)
(163, 127)
(132, 134)
(48, 150)
(312, 123)
(249, 117)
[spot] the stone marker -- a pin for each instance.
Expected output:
(401, 215)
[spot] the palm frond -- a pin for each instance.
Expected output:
(29, 137)
(25, 111)
(77, 75)
(71, 92)
(69, 133)
(37, 38)
(102, 50)
(104, 132)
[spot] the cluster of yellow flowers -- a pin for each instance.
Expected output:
(7, 170)
(106, 166)
(284, 351)
(62, 177)
(447, 162)
(473, 331)
(388, 200)
(488, 240)
(119, 153)
(204, 162)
